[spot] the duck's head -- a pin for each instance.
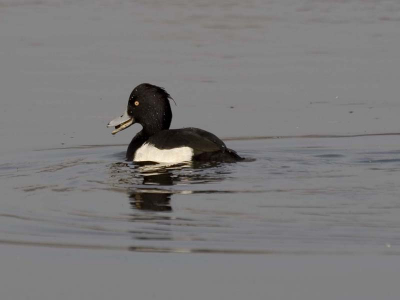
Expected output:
(149, 106)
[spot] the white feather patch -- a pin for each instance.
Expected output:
(148, 152)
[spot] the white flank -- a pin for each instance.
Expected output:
(148, 152)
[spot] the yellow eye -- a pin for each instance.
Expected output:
(136, 103)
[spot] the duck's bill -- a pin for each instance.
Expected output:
(121, 122)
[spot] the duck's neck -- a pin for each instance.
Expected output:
(156, 120)
(152, 129)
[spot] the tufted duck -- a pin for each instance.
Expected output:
(149, 106)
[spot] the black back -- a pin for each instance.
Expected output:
(197, 139)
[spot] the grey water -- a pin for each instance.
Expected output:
(293, 195)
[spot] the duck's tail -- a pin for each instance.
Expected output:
(234, 155)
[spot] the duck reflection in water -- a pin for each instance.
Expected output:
(163, 177)
(153, 199)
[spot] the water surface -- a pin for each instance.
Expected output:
(294, 195)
